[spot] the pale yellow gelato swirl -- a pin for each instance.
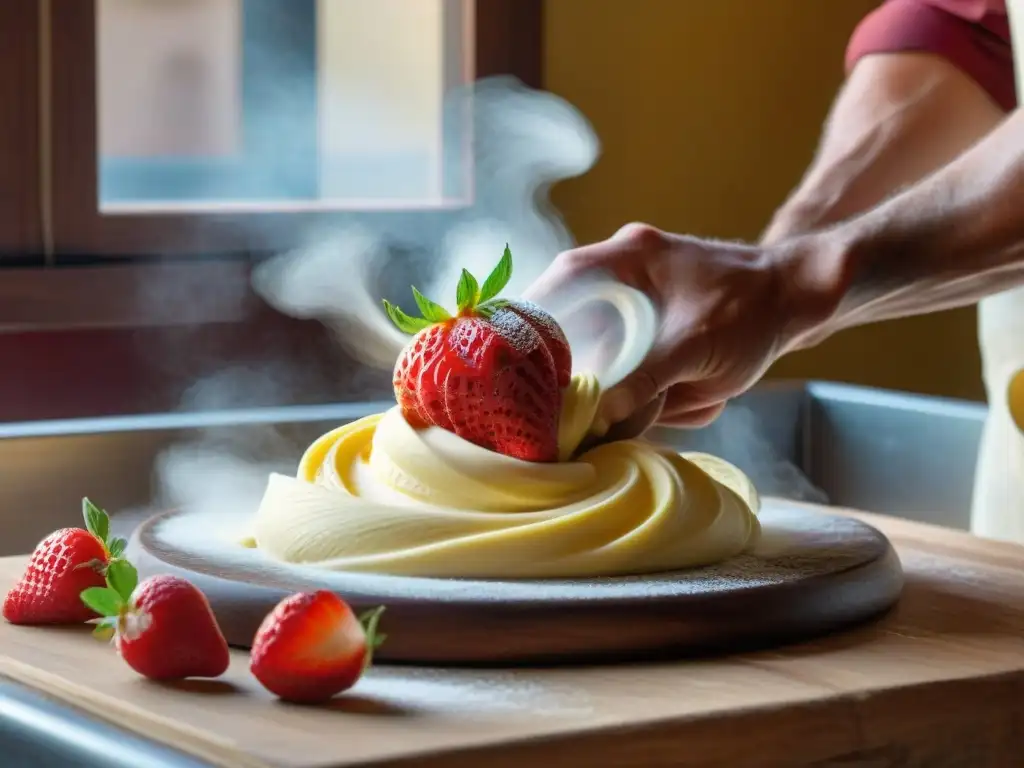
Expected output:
(379, 496)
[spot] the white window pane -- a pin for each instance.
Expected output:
(257, 102)
(381, 81)
(169, 77)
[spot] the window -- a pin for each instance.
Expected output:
(232, 110)
(174, 142)
(292, 103)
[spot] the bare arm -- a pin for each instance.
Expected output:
(899, 117)
(950, 240)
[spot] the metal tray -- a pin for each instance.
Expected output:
(888, 452)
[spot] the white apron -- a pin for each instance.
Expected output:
(998, 507)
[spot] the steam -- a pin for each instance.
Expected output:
(524, 142)
(740, 437)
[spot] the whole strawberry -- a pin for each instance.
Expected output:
(62, 565)
(493, 374)
(163, 628)
(312, 647)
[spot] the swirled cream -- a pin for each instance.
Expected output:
(377, 495)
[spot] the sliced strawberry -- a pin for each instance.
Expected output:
(62, 565)
(520, 410)
(312, 647)
(163, 628)
(551, 334)
(423, 370)
(493, 374)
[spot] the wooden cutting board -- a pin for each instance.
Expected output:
(811, 572)
(939, 681)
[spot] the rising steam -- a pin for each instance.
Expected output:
(525, 141)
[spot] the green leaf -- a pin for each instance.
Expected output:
(499, 277)
(374, 637)
(104, 629)
(117, 547)
(122, 578)
(467, 292)
(405, 323)
(103, 600)
(96, 520)
(487, 310)
(430, 310)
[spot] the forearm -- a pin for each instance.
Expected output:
(948, 241)
(888, 128)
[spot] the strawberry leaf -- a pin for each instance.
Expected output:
(122, 578)
(117, 547)
(430, 310)
(374, 637)
(467, 292)
(487, 310)
(103, 600)
(96, 520)
(405, 323)
(105, 629)
(499, 277)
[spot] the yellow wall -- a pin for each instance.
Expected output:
(708, 113)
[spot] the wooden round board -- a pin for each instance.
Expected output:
(811, 573)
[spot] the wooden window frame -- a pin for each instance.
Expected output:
(82, 269)
(21, 238)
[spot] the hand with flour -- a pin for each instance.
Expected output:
(727, 310)
(726, 313)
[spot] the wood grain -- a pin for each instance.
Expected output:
(810, 574)
(20, 190)
(938, 682)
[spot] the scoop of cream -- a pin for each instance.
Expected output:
(379, 496)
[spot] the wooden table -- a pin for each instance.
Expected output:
(938, 682)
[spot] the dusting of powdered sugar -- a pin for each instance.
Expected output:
(473, 693)
(795, 544)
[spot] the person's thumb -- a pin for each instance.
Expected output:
(632, 393)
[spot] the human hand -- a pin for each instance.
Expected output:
(727, 311)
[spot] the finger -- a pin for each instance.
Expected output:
(566, 267)
(687, 396)
(549, 282)
(694, 419)
(638, 422)
(676, 357)
(628, 396)
(604, 255)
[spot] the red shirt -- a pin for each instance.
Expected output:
(974, 35)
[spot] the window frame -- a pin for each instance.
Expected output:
(21, 228)
(80, 228)
(96, 265)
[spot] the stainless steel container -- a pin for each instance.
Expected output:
(887, 452)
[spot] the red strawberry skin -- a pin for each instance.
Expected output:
(310, 648)
(179, 639)
(495, 380)
(550, 333)
(48, 592)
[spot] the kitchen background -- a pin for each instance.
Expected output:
(707, 113)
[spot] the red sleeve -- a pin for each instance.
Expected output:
(974, 35)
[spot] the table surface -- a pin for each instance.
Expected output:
(938, 681)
